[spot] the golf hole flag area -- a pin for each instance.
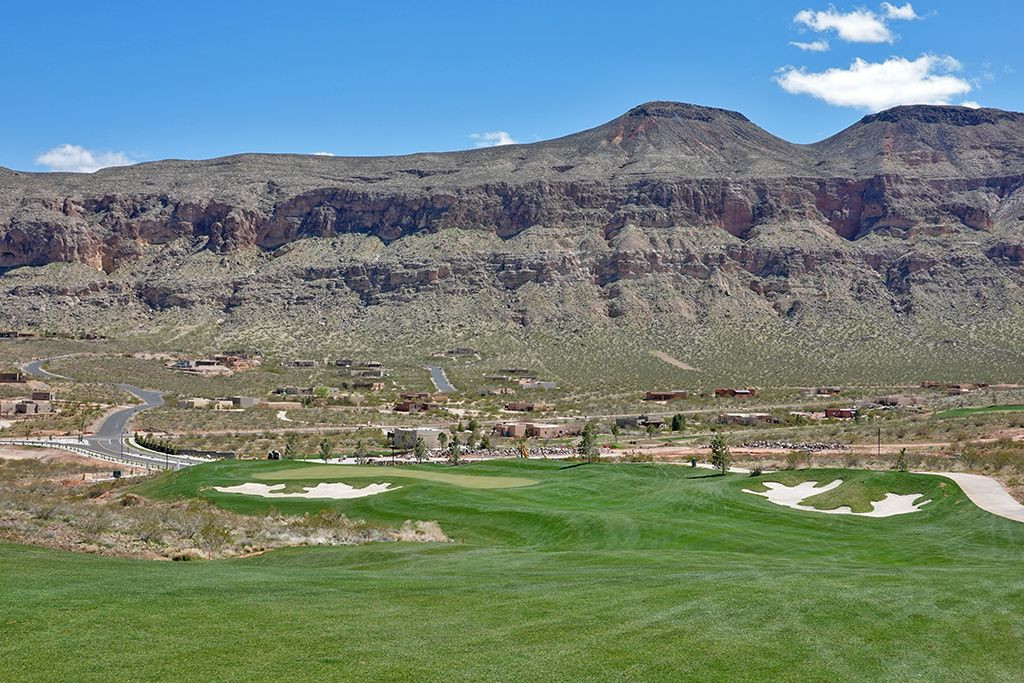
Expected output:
(551, 572)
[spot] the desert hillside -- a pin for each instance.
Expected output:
(895, 244)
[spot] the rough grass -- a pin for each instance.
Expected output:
(45, 503)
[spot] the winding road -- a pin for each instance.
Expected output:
(109, 441)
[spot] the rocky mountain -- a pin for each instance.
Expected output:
(671, 214)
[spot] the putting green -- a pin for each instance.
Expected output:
(337, 472)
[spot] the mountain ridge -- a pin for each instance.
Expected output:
(670, 212)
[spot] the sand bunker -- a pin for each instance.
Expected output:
(790, 496)
(335, 491)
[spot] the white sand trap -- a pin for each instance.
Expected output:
(790, 496)
(335, 491)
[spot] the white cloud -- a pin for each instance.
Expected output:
(905, 12)
(879, 85)
(493, 139)
(970, 104)
(857, 26)
(323, 154)
(78, 159)
(815, 46)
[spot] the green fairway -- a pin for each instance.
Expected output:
(979, 410)
(607, 572)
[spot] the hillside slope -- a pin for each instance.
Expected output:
(900, 235)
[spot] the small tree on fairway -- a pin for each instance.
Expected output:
(325, 449)
(420, 449)
(721, 457)
(454, 450)
(291, 446)
(678, 422)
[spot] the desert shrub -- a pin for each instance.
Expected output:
(795, 459)
(902, 461)
(94, 522)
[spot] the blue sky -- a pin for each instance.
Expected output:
(92, 84)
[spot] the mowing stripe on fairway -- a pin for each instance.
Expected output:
(336, 472)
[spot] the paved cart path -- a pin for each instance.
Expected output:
(986, 493)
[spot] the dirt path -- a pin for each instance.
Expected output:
(986, 493)
(662, 356)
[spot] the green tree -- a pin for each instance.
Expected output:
(524, 448)
(360, 451)
(325, 449)
(420, 449)
(485, 442)
(588, 442)
(652, 429)
(473, 425)
(454, 450)
(291, 446)
(721, 457)
(616, 430)
(678, 422)
(442, 440)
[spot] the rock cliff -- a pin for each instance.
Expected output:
(910, 214)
